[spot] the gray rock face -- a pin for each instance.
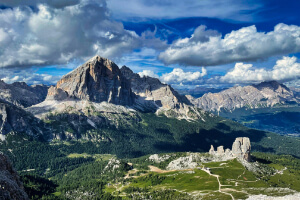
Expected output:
(97, 80)
(188, 162)
(212, 149)
(22, 95)
(11, 188)
(152, 93)
(220, 150)
(266, 94)
(14, 119)
(240, 149)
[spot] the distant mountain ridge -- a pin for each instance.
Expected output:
(199, 91)
(21, 94)
(265, 94)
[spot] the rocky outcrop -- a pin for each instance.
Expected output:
(98, 80)
(266, 94)
(15, 120)
(187, 162)
(152, 93)
(22, 95)
(158, 159)
(154, 96)
(240, 149)
(11, 188)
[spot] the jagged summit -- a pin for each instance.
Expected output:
(153, 90)
(97, 80)
(272, 85)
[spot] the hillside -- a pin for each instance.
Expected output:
(183, 175)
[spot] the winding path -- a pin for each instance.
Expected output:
(220, 185)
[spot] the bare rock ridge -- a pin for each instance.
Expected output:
(152, 93)
(11, 188)
(265, 94)
(14, 119)
(22, 95)
(240, 149)
(97, 80)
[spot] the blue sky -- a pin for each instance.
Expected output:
(184, 43)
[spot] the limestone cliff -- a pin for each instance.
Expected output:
(241, 148)
(11, 188)
(152, 93)
(98, 80)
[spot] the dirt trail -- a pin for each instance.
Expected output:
(220, 185)
(130, 172)
(156, 169)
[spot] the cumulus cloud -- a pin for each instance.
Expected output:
(46, 35)
(286, 69)
(224, 9)
(28, 76)
(177, 76)
(208, 48)
(149, 73)
(52, 3)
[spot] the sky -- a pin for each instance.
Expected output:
(188, 44)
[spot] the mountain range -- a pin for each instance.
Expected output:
(265, 94)
(99, 110)
(268, 106)
(99, 95)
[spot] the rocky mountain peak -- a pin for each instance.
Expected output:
(20, 85)
(126, 71)
(272, 85)
(98, 80)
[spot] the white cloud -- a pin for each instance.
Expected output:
(148, 73)
(53, 3)
(171, 9)
(179, 76)
(286, 69)
(28, 76)
(208, 48)
(46, 34)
